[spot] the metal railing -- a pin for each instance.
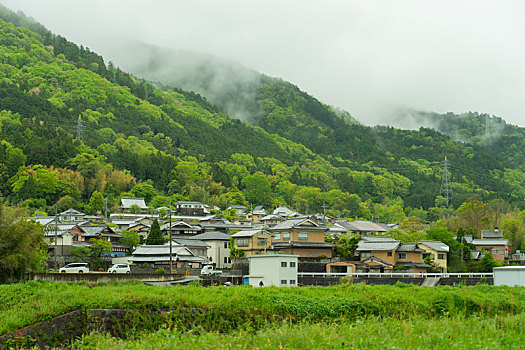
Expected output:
(396, 274)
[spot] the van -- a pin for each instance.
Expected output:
(120, 268)
(75, 268)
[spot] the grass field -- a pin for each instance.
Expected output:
(345, 316)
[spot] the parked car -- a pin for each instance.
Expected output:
(210, 270)
(119, 268)
(74, 268)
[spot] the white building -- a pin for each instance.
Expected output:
(509, 276)
(219, 250)
(278, 270)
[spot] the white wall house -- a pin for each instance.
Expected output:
(219, 248)
(272, 270)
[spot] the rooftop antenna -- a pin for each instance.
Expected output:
(80, 127)
(446, 191)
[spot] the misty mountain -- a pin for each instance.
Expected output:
(180, 144)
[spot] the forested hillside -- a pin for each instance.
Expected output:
(157, 143)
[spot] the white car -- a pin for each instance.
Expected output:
(74, 268)
(119, 268)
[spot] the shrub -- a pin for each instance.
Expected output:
(160, 271)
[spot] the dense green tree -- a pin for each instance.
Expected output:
(22, 245)
(155, 234)
(130, 238)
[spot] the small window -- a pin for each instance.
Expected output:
(225, 245)
(441, 256)
(303, 236)
(283, 263)
(242, 242)
(292, 263)
(277, 236)
(389, 254)
(402, 256)
(261, 241)
(292, 282)
(286, 236)
(365, 254)
(283, 282)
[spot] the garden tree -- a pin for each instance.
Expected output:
(97, 202)
(130, 238)
(410, 230)
(257, 189)
(235, 253)
(135, 209)
(22, 245)
(486, 264)
(100, 247)
(457, 246)
(155, 234)
(345, 244)
(514, 230)
(474, 214)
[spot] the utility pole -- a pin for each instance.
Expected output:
(106, 209)
(446, 191)
(171, 243)
(324, 214)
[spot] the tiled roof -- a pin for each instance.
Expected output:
(293, 223)
(72, 211)
(409, 247)
(490, 241)
(436, 245)
(374, 259)
(212, 236)
(127, 202)
(306, 244)
(491, 234)
(248, 233)
(189, 242)
(377, 246)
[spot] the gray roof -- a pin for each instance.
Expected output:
(491, 233)
(43, 220)
(249, 233)
(409, 247)
(212, 236)
(373, 258)
(160, 250)
(189, 243)
(127, 202)
(284, 211)
(436, 245)
(490, 242)
(61, 229)
(73, 212)
(293, 223)
(378, 239)
(377, 246)
(367, 226)
(271, 217)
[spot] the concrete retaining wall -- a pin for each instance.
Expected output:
(102, 277)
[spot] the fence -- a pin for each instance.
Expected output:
(398, 274)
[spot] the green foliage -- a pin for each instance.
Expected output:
(155, 234)
(130, 238)
(160, 271)
(22, 245)
(345, 244)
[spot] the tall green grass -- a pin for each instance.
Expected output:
(499, 332)
(228, 308)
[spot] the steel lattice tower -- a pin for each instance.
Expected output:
(80, 127)
(446, 191)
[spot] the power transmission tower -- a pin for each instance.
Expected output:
(446, 191)
(80, 127)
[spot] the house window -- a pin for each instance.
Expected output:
(242, 242)
(365, 254)
(441, 256)
(283, 263)
(292, 281)
(303, 236)
(225, 245)
(389, 254)
(426, 256)
(277, 236)
(227, 260)
(286, 236)
(283, 281)
(292, 263)
(498, 251)
(402, 256)
(261, 241)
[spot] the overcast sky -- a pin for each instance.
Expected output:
(364, 56)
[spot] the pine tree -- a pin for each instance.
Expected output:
(155, 235)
